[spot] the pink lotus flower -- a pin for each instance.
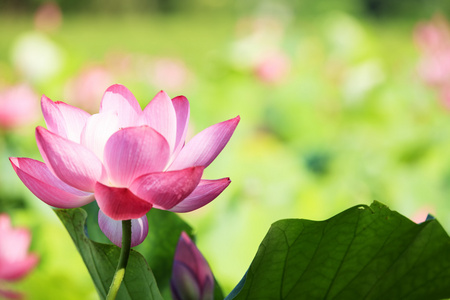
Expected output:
(191, 275)
(15, 261)
(127, 159)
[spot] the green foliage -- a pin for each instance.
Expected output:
(101, 261)
(154, 256)
(362, 253)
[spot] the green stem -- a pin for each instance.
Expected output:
(123, 260)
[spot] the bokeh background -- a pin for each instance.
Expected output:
(341, 103)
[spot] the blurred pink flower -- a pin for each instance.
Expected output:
(18, 106)
(258, 47)
(445, 96)
(273, 67)
(129, 160)
(85, 91)
(121, 63)
(169, 73)
(433, 39)
(191, 275)
(48, 16)
(15, 261)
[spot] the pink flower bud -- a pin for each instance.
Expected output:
(191, 275)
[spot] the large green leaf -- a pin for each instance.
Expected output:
(101, 261)
(361, 253)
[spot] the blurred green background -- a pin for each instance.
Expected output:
(333, 110)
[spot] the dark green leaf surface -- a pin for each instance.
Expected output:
(101, 261)
(361, 253)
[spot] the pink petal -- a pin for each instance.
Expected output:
(160, 115)
(132, 152)
(205, 146)
(71, 162)
(167, 189)
(113, 229)
(120, 203)
(119, 100)
(205, 192)
(98, 130)
(182, 110)
(63, 119)
(46, 186)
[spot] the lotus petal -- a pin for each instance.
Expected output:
(113, 229)
(71, 162)
(166, 189)
(205, 192)
(120, 203)
(132, 152)
(205, 146)
(46, 186)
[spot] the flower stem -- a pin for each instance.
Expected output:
(123, 260)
